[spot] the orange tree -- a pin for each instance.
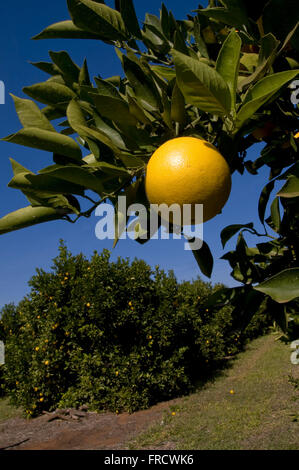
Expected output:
(223, 75)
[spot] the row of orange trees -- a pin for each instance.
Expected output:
(220, 74)
(114, 335)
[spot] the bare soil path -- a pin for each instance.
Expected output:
(93, 431)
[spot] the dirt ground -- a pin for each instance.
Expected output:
(91, 431)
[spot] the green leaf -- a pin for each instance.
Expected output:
(52, 113)
(268, 248)
(97, 134)
(30, 115)
(110, 132)
(29, 216)
(275, 215)
(250, 61)
(153, 41)
(166, 114)
(246, 302)
(153, 35)
(50, 92)
(237, 274)
(17, 168)
(42, 190)
(137, 111)
(46, 140)
(221, 297)
(78, 175)
(115, 136)
(144, 87)
(54, 201)
(135, 138)
(228, 232)
(155, 23)
(179, 43)
(201, 46)
(28, 182)
(173, 24)
(164, 20)
(291, 188)
(201, 85)
(47, 67)
(97, 18)
(283, 287)
(263, 200)
(115, 109)
(115, 80)
(65, 30)
(84, 78)
(58, 79)
(228, 62)
(178, 112)
(106, 88)
(75, 115)
(280, 316)
(64, 63)
(128, 13)
(292, 36)
(261, 92)
(266, 57)
(120, 223)
(121, 213)
(130, 161)
(204, 258)
(164, 72)
(233, 14)
(110, 169)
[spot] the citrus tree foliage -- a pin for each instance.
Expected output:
(119, 336)
(223, 74)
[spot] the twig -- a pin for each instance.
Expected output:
(14, 445)
(88, 213)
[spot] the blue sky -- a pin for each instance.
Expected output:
(22, 251)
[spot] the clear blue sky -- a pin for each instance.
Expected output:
(24, 250)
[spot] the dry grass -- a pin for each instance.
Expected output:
(7, 411)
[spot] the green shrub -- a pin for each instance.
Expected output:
(116, 335)
(1, 381)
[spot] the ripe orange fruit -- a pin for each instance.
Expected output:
(187, 170)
